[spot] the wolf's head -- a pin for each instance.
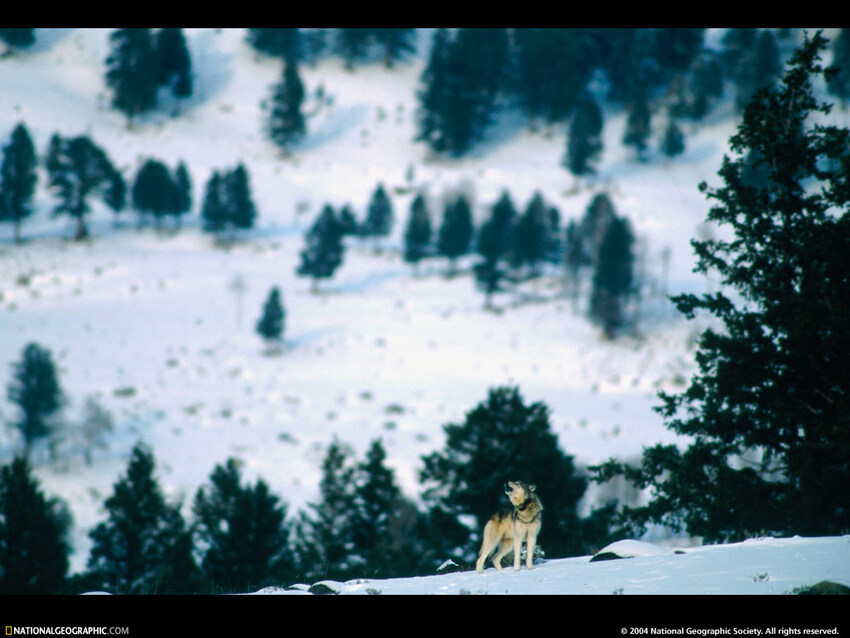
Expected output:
(519, 492)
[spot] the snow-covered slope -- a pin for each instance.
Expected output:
(160, 329)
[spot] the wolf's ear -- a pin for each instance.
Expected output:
(532, 488)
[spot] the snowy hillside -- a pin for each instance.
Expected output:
(160, 328)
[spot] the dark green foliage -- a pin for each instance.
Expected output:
(284, 43)
(379, 215)
(493, 245)
(614, 277)
(839, 83)
(456, 230)
(34, 530)
(144, 545)
(461, 81)
(35, 389)
(132, 71)
(325, 537)
(287, 124)
(324, 249)
(767, 412)
(677, 48)
(271, 323)
(175, 63)
(396, 43)
(17, 179)
(553, 69)
(584, 138)
(156, 192)
(638, 127)
(228, 203)
(528, 236)
(758, 68)
(418, 234)
(77, 169)
(242, 532)
(629, 57)
(16, 38)
(353, 44)
(504, 439)
(673, 142)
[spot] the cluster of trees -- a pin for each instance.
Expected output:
(473, 74)
(140, 62)
(240, 536)
(768, 409)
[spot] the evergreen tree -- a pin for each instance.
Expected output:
(183, 190)
(677, 48)
(132, 71)
(553, 70)
(395, 42)
(16, 38)
(839, 82)
(433, 96)
(673, 142)
(284, 43)
(241, 211)
(528, 236)
(759, 68)
(379, 215)
(243, 533)
(353, 44)
(584, 139)
(96, 424)
(456, 230)
(638, 125)
(613, 278)
(502, 439)
(34, 545)
(35, 389)
(271, 323)
(767, 411)
(175, 63)
(287, 124)
(17, 179)
(154, 191)
(631, 63)
(575, 258)
(493, 245)
(325, 540)
(144, 545)
(214, 208)
(417, 235)
(324, 248)
(77, 169)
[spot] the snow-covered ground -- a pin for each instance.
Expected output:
(160, 328)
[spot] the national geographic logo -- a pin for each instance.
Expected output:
(67, 631)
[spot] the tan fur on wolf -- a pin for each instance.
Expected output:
(507, 529)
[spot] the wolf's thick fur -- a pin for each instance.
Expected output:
(507, 529)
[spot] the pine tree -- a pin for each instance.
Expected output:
(434, 93)
(35, 389)
(243, 533)
(418, 234)
(132, 71)
(324, 248)
(214, 208)
(767, 410)
(673, 142)
(175, 63)
(154, 191)
(380, 216)
(241, 210)
(284, 43)
(287, 124)
(17, 179)
(584, 138)
(16, 38)
(759, 68)
(553, 70)
(501, 439)
(353, 44)
(77, 169)
(613, 278)
(638, 125)
(396, 43)
(144, 545)
(456, 230)
(325, 538)
(34, 545)
(493, 245)
(528, 236)
(839, 82)
(183, 190)
(271, 324)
